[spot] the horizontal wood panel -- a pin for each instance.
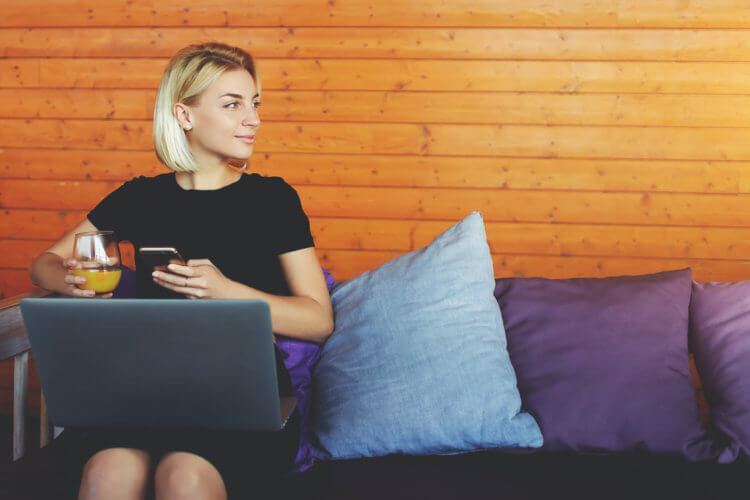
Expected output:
(346, 264)
(584, 13)
(446, 204)
(408, 75)
(503, 238)
(663, 143)
(407, 171)
(409, 107)
(389, 43)
(14, 282)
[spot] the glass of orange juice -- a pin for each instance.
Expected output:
(98, 259)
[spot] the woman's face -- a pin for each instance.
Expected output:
(225, 119)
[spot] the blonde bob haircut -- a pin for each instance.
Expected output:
(191, 71)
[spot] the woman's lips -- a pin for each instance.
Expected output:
(247, 139)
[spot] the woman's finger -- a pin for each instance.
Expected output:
(174, 279)
(182, 270)
(77, 292)
(199, 262)
(185, 290)
(73, 280)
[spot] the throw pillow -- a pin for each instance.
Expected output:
(417, 363)
(720, 338)
(603, 363)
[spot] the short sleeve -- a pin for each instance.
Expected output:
(114, 211)
(291, 226)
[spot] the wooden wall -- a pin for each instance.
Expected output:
(597, 138)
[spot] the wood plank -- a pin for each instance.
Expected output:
(411, 75)
(77, 103)
(347, 264)
(389, 43)
(406, 171)
(660, 143)
(409, 107)
(13, 282)
(434, 203)
(78, 165)
(587, 240)
(308, 13)
(583, 13)
(37, 224)
(541, 239)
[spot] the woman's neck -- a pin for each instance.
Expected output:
(207, 178)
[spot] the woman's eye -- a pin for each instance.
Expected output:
(256, 104)
(231, 105)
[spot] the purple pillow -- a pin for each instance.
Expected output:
(720, 338)
(300, 358)
(602, 363)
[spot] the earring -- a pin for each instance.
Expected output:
(188, 127)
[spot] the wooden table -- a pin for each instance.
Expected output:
(14, 344)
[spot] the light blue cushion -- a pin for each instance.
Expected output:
(418, 363)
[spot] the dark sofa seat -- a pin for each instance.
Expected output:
(485, 475)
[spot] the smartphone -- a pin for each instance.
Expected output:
(160, 257)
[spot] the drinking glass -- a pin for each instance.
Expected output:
(98, 259)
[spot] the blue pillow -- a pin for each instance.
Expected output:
(418, 362)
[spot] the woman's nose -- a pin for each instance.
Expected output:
(251, 118)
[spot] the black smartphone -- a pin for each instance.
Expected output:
(160, 257)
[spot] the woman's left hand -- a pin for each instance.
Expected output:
(199, 279)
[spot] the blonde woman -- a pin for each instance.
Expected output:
(244, 236)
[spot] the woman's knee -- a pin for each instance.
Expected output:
(115, 471)
(186, 475)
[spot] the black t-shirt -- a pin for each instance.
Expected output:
(241, 228)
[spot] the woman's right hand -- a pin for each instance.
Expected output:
(71, 282)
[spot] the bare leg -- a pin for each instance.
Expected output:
(120, 473)
(181, 476)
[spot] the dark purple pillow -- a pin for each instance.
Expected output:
(602, 363)
(720, 338)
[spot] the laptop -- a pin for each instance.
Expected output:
(207, 364)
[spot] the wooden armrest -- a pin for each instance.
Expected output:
(15, 344)
(13, 340)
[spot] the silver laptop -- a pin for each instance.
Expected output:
(206, 364)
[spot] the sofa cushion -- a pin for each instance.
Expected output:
(720, 337)
(417, 363)
(603, 363)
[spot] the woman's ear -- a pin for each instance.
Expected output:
(183, 115)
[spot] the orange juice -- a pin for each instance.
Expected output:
(99, 280)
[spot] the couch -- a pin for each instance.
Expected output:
(601, 364)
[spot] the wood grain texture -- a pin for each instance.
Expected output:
(446, 204)
(405, 75)
(582, 44)
(664, 143)
(643, 176)
(480, 13)
(409, 107)
(503, 238)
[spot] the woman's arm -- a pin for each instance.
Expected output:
(306, 315)
(49, 269)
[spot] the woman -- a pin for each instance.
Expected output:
(245, 236)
